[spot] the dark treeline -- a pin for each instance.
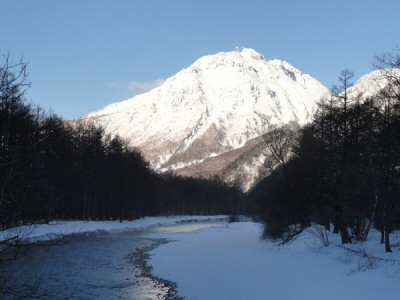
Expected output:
(50, 169)
(344, 169)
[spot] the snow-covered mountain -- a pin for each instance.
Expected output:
(372, 83)
(204, 117)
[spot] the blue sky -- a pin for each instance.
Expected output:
(84, 54)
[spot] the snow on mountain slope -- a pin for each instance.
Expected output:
(254, 163)
(211, 108)
(372, 83)
(251, 166)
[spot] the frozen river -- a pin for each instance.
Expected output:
(101, 265)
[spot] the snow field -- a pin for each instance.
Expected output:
(232, 262)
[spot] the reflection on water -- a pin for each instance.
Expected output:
(184, 227)
(98, 266)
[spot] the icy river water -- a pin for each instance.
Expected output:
(101, 265)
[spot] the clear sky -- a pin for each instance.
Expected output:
(84, 54)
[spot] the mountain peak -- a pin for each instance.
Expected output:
(235, 58)
(251, 53)
(213, 107)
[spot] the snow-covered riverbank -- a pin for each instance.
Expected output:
(56, 229)
(232, 262)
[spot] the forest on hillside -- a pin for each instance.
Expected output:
(53, 169)
(343, 169)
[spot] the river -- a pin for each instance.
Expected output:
(101, 265)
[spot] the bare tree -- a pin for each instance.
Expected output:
(280, 142)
